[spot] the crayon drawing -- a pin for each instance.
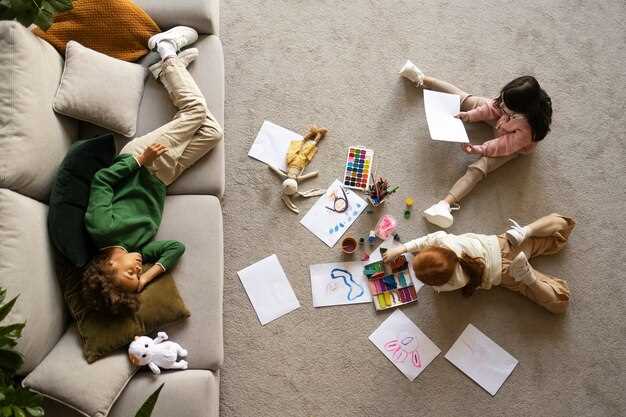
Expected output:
(354, 289)
(333, 213)
(404, 348)
(339, 283)
(404, 344)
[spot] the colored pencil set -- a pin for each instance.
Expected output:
(390, 285)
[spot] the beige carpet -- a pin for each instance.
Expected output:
(335, 63)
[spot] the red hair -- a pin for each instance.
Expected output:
(435, 266)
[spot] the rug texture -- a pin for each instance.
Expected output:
(335, 64)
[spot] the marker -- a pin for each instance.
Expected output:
(373, 288)
(401, 279)
(381, 300)
(413, 293)
(388, 299)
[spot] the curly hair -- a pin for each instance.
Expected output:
(101, 294)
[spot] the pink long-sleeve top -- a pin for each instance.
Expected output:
(513, 133)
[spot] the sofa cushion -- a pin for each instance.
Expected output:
(101, 334)
(197, 222)
(70, 197)
(99, 89)
(202, 15)
(156, 109)
(65, 376)
(33, 138)
(27, 268)
(189, 393)
(117, 28)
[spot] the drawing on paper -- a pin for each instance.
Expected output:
(355, 290)
(340, 205)
(404, 348)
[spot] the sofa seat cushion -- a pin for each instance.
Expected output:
(33, 138)
(197, 222)
(187, 393)
(202, 15)
(156, 109)
(27, 268)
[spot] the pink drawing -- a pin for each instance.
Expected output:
(404, 348)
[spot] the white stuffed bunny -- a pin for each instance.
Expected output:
(156, 353)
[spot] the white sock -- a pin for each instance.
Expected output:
(166, 49)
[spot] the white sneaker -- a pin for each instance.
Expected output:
(180, 36)
(412, 73)
(521, 271)
(440, 214)
(516, 233)
(186, 57)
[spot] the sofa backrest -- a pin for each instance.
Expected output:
(33, 138)
(202, 15)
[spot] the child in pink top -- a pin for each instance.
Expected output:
(520, 116)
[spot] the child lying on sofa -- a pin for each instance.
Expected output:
(127, 199)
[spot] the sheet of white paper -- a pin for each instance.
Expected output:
(271, 144)
(404, 344)
(269, 290)
(440, 110)
(328, 225)
(339, 283)
(388, 244)
(481, 359)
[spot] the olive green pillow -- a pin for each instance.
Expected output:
(102, 333)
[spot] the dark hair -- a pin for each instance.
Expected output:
(524, 95)
(100, 292)
(435, 266)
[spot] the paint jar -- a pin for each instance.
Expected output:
(348, 245)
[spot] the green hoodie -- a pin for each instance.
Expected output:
(125, 209)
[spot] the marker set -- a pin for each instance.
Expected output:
(358, 168)
(390, 285)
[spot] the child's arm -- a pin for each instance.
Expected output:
(505, 145)
(487, 111)
(98, 214)
(165, 254)
(414, 245)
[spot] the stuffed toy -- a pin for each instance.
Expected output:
(156, 353)
(299, 155)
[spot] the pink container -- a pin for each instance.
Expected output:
(386, 226)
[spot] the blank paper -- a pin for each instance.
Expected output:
(271, 144)
(481, 359)
(440, 110)
(269, 290)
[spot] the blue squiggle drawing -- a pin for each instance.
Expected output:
(348, 282)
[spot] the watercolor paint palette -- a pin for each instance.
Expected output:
(391, 285)
(358, 168)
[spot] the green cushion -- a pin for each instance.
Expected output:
(70, 197)
(101, 333)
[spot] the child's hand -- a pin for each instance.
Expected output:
(393, 253)
(471, 149)
(463, 116)
(151, 153)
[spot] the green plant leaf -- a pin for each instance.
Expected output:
(5, 309)
(16, 329)
(18, 411)
(35, 411)
(10, 360)
(6, 411)
(148, 405)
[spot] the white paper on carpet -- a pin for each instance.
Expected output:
(440, 110)
(339, 283)
(271, 144)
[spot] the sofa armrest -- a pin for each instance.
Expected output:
(202, 15)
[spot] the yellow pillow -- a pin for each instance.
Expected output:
(118, 28)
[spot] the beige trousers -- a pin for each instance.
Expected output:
(189, 136)
(485, 165)
(558, 300)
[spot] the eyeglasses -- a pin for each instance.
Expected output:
(340, 203)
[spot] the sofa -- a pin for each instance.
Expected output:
(33, 141)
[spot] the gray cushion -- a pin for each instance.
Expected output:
(66, 377)
(191, 393)
(202, 15)
(33, 138)
(156, 109)
(99, 89)
(197, 222)
(27, 268)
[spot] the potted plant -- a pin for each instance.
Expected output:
(39, 12)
